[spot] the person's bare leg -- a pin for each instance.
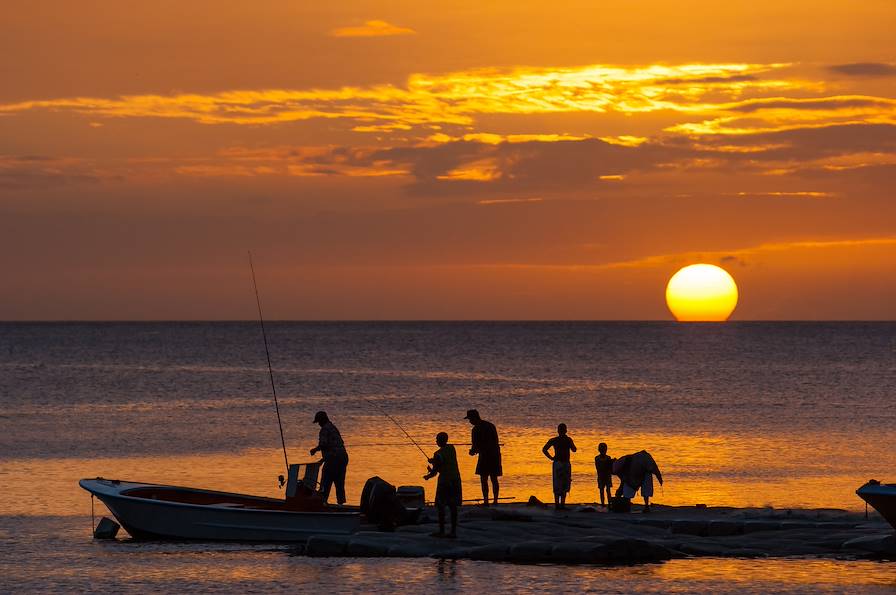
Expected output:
(484, 480)
(494, 488)
(441, 522)
(646, 503)
(600, 491)
(453, 522)
(563, 501)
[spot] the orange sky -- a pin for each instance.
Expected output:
(406, 160)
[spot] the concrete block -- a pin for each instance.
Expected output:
(757, 526)
(366, 548)
(531, 552)
(510, 515)
(494, 552)
(574, 552)
(326, 545)
(884, 545)
(724, 528)
(106, 529)
(689, 527)
(791, 525)
(628, 551)
(411, 549)
(658, 523)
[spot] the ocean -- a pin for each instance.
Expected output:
(784, 415)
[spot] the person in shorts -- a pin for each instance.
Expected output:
(603, 463)
(636, 473)
(484, 438)
(561, 470)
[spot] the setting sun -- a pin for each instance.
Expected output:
(701, 292)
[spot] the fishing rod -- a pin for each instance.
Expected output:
(394, 421)
(267, 352)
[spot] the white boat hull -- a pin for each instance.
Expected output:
(146, 518)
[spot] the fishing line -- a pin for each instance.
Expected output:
(394, 421)
(371, 444)
(267, 352)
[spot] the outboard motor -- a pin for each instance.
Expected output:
(380, 504)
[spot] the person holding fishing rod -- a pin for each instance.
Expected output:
(335, 457)
(448, 489)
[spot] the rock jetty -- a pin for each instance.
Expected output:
(587, 535)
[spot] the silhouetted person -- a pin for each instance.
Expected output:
(485, 444)
(603, 463)
(636, 472)
(335, 457)
(562, 467)
(448, 489)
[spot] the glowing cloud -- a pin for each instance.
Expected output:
(452, 98)
(372, 29)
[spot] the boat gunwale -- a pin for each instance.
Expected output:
(118, 495)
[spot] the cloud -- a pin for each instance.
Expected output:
(785, 113)
(450, 99)
(303, 161)
(736, 78)
(707, 99)
(732, 260)
(503, 201)
(462, 167)
(372, 29)
(828, 104)
(24, 172)
(504, 164)
(434, 130)
(740, 255)
(802, 144)
(789, 194)
(868, 69)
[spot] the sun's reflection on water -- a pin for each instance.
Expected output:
(715, 470)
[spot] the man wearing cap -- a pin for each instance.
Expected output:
(485, 444)
(335, 457)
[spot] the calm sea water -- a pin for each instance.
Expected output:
(743, 414)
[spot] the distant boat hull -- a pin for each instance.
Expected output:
(152, 511)
(882, 497)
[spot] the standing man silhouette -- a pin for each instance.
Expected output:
(562, 467)
(335, 457)
(485, 444)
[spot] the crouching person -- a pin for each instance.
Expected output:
(636, 472)
(448, 489)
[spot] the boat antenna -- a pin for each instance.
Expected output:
(395, 421)
(267, 352)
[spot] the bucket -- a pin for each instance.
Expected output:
(620, 504)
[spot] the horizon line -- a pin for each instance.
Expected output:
(434, 320)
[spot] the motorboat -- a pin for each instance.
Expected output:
(881, 497)
(154, 511)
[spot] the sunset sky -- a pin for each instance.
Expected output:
(429, 160)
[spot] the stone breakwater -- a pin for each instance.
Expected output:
(584, 535)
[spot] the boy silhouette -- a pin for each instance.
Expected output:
(603, 463)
